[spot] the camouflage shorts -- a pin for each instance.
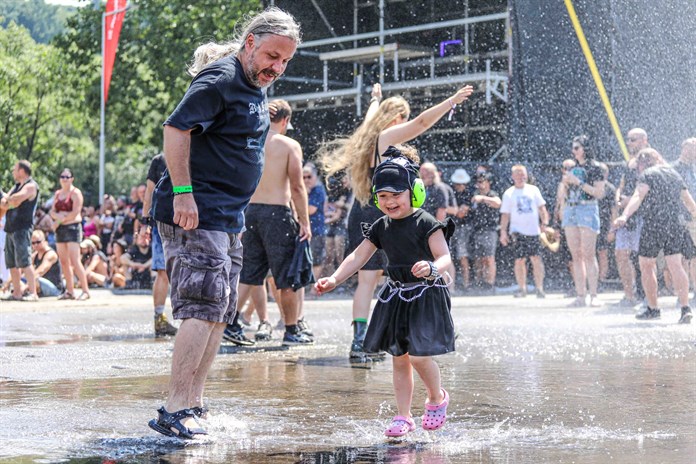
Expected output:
(203, 267)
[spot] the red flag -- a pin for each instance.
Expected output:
(112, 25)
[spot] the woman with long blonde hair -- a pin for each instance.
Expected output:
(385, 124)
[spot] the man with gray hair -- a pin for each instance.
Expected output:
(213, 147)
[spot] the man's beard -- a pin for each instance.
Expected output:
(252, 73)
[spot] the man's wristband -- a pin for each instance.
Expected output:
(179, 189)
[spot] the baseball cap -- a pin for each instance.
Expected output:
(460, 176)
(393, 175)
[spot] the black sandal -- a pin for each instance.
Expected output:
(166, 421)
(200, 411)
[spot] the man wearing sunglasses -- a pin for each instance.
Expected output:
(628, 236)
(46, 266)
(20, 204)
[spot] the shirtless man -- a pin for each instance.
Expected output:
(269, 240)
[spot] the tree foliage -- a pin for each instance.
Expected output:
(41, 117)
(157, 42)
(42, 20)
(50, 93)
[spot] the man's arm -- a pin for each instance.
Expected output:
(688, 201)
(504, 223)
(177, 151)
(298, 192)
(49, 259)
(17, 198)
(633, 204)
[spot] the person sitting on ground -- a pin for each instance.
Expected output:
(139, 262)
(118, 271)
(94, 262)
(46, 266)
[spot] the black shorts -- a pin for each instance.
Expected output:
(524, 246)
(69, 233)
(670, 238)
(369, 214)
(318, 245)
(269, 243)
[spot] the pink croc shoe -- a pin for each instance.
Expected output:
(435, 415)
(400, 426)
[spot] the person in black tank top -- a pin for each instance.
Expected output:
(386, 123)
(46, 265)
(19, 205)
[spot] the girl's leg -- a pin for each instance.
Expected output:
(74, 253)
(429, 372)
(403, 384)
(588, 244)
(64, 258)
(574, 241)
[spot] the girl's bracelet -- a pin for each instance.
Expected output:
(452, 107)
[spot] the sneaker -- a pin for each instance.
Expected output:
(625, 303)
(685, 315)
(540, 294)
(578, 302)
(264, 331)
(649, 314)
(594, 302)
(304, 327)
(236, 335)
(520, 294)
(32, 297)
(296, 339)
(162, 327)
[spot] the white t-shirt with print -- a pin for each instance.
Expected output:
(522, 204)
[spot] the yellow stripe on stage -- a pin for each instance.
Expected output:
(595, 75)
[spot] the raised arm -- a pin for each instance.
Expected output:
(402, 133)
(376, 98)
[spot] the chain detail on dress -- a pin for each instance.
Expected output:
(396, 287)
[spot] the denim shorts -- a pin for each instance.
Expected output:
(460, 240)
(203, 267)
(585, 215)
(18, 249)
(157, 250)
(629, 239)
(69, 233)
(483, 243)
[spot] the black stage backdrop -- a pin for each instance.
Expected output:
(646, 54)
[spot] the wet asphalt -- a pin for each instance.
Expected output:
(531, 381)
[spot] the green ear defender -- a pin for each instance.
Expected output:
(417, 193)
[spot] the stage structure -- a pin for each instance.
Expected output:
(534, 89)
(423, 51)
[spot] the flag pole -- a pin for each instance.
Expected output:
(102, 106)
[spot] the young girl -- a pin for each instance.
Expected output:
(412, 320)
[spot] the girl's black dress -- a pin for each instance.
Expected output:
(423, 326)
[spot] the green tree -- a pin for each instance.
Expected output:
(149, 78)
(40, 99)
(42, 20)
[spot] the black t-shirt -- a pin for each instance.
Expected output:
(662, 205)
(228, 119)
(483, 216)
(588, 173)
(435, 198)
(462, 199)
(405, 241)
(157, 168)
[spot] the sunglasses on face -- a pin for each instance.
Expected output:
(36, 242)
(306, 177)
(632, 139)
(576, 147)
(66, 177)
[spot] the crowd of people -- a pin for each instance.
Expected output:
(222, 232)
